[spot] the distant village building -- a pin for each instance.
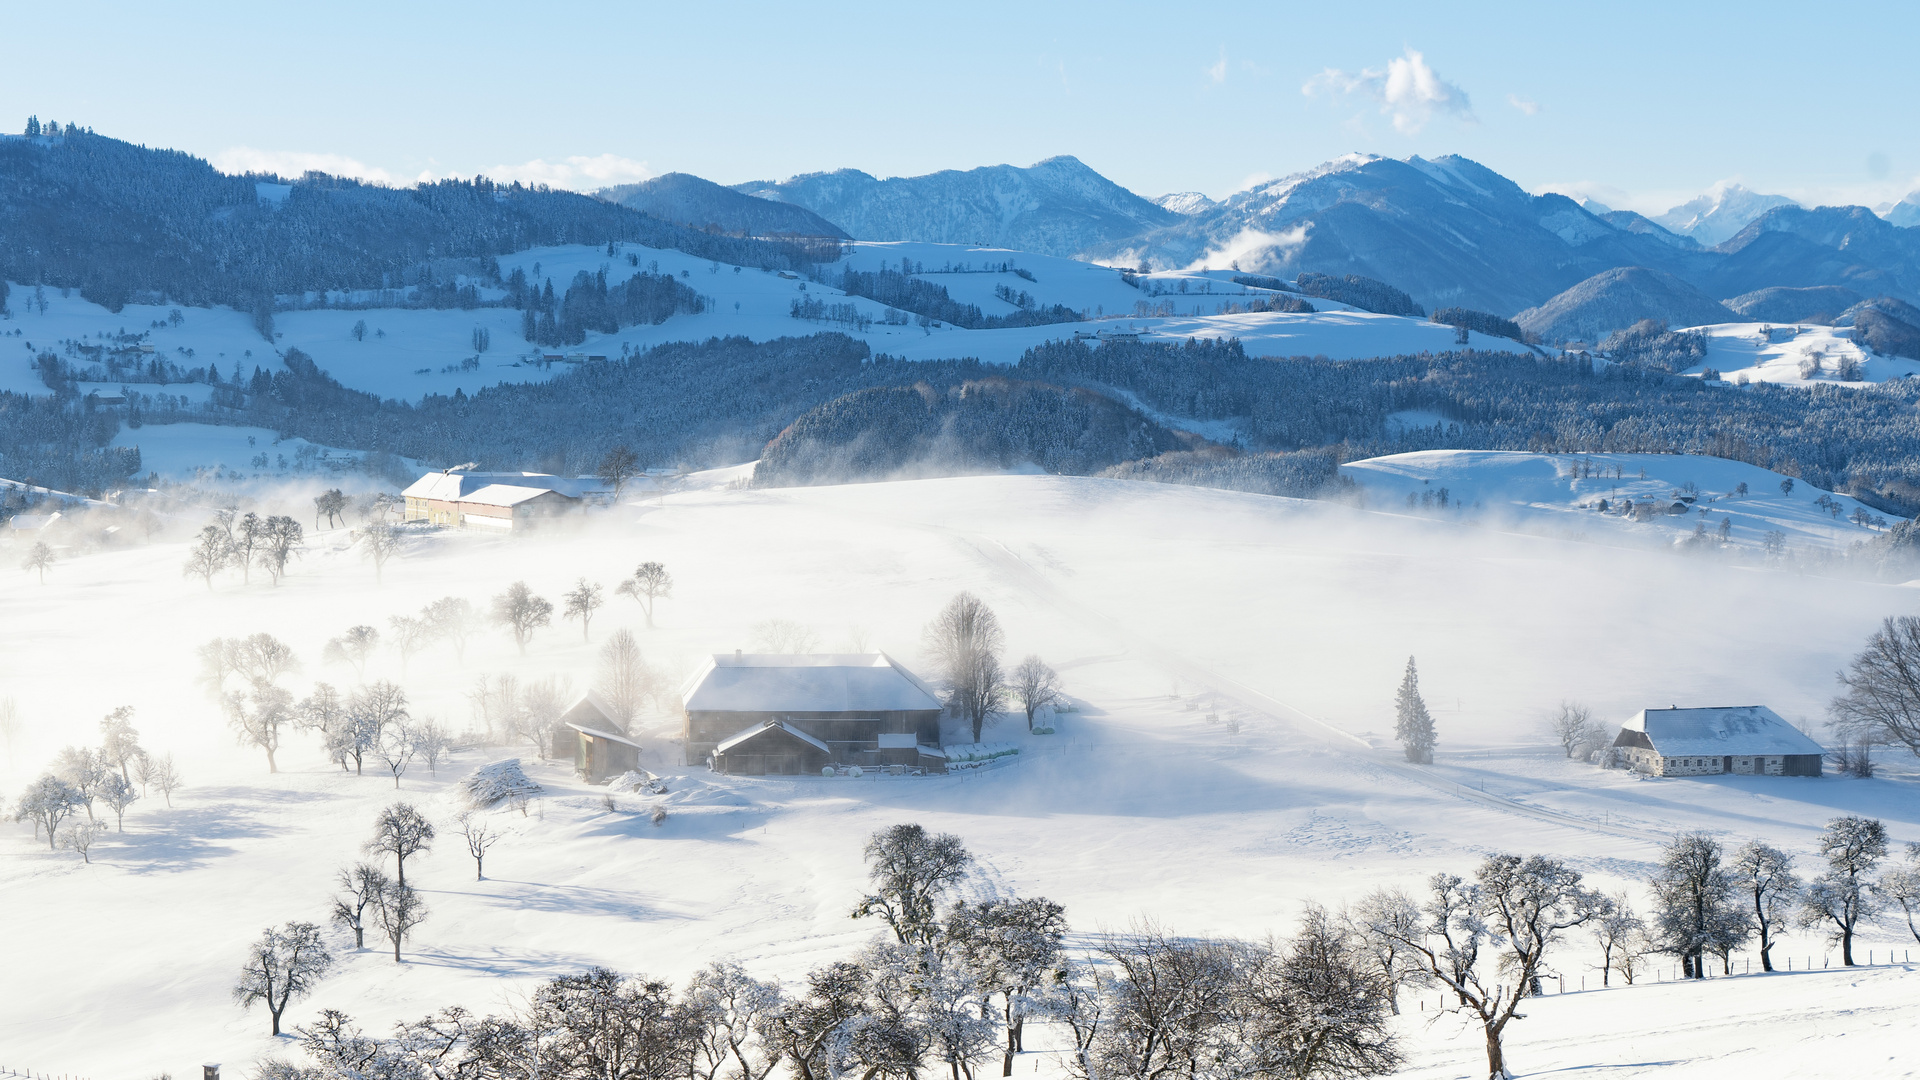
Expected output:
(1745, 740)
(762, 714)
(503, 501)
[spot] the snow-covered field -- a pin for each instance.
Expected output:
(1560, 495)
(1795, 356)
(1234, 659)
(407, 353)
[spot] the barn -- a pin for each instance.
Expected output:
(1744, 740)
(763, 714)
(503, 501)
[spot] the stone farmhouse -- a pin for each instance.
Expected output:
(1744, 740)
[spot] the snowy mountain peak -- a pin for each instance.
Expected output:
(1186, 203)
(1720, 212)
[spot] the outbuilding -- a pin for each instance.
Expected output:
(1744, 740)
(791, 714)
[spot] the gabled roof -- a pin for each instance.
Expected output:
(607, 735)
(591, 709)
(459, 485)
(758, 730)
(508, 495)
(1741, 730)
(807, 683)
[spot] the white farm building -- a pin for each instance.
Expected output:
(506, 501)
(1745, 740)
(771, 714)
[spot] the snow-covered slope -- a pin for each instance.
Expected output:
(1561, 495)
(1216, 775)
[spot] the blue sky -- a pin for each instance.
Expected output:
(1638, 104)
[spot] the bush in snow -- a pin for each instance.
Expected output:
(974, 755)
(499, 781)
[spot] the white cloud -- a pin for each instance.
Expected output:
(1408, 90)
(293, 163)
(1247, 243)
(577, 173)
(1524, 104)
(1218, 72)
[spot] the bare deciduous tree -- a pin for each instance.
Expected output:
(401, 831)
(480, 835)
(119, 742)
(1571, 726)
(396, 748)
(911, 869)
(1763, 875)
(1901, 885)
(210, 554)
(783, 636)
(119, 793)
(258, 717)
(1694, 908)
(522, 613)
(381, 540)
(1882, 698)
(399, 909)
(166, 777)
(40, 559)
(965, 640)
(454, 621)
(283, 965)
(1843, 897)
(370, 712)
(360, 885)
(79, 836)
(625, 682)
(410, 635)
(354, 647)
(431, 743)
(582, 601)
(1035, 685)
(280, 538)
(617, 468)
(542, 701)
(1615, 927)
(650, 582)
(10, 725)
(47, 802)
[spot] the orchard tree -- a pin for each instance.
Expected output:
(582, 601)
(409, 636)
(119, 793)
(625, 681)
(453, 620)
(166, 777)
(1882, 698)
(1763, 876)
(47, 802)
(354, 647)
(40, 559)
(331, 504)
(650, 582)
(211, 553)
(1011, 948)
(1694, 907)
(283, 965)
(480, 835)
(1035, 686)
(360, 886)
(1412, 724)
(119, 742)
(398, 909)
(617, 468)
(1843, 897)
(401, 831)
(1901, 885)
(258, 718)
(280, 539)
(1616, 929)
(1487, 941)
(381, 541)
(911, 869)
(1572, 726)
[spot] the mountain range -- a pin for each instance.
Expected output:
(1449, 230)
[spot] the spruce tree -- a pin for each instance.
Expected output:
(1412, 725)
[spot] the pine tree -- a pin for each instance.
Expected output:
(1413, 726)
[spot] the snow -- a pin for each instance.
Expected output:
(1763, 352)
(1233, 658)
(1719, 731)
(1545, 493)
(822, 682)
(232, 454)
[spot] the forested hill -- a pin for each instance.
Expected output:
(122, 222)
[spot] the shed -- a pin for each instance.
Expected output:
(1745, 740)
(762, 713)
(603, 755)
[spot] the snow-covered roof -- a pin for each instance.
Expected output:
(453, 485)
(761, 729)
(807, 683)
(607, 735)
(506, 495)
(1735, 729)
(32, 522)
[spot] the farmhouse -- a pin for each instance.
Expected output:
(770, 714)
(598, 744)
(504, 501)
(1745, 740)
